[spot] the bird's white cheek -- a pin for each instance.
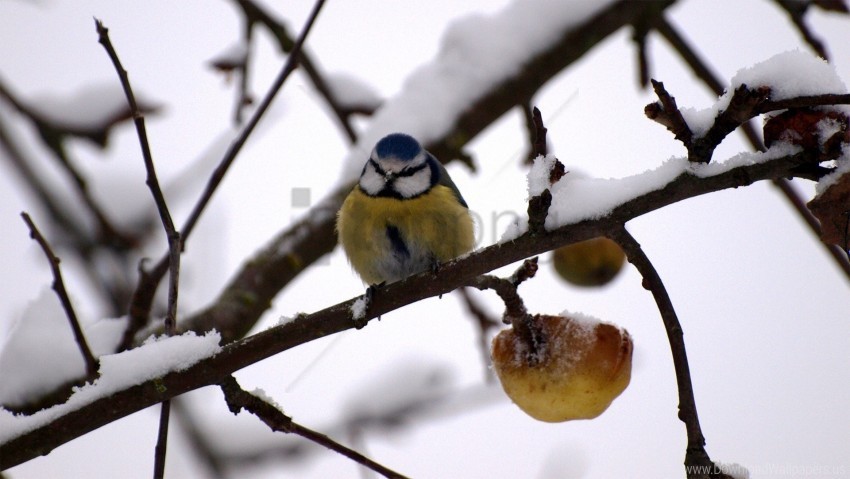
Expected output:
(371, 183)
(409, 187)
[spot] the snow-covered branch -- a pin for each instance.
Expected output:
(674, 181)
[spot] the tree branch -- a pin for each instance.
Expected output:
(172, 235)
(485, 323)
(696, 457)
(238, 399)
(257, 14)
(249, 294)
(306, 328)
(712, 80)
(796, 10)
(59, 287)
(143, 297)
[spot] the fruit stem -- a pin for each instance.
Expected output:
(516, 314)
(529, 331)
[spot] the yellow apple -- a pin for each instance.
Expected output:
(580, 366)
(593, 262)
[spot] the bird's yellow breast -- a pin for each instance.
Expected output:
(434, 227)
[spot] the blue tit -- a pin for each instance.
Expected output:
(404, 216)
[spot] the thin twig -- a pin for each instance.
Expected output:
(538, 206)
(59, 288)
(485, 323)
(744, 105)
(667, 113)
(173, 236)
(640, 29)
(507, 291)
(238, 399)
(243, 98)
(516, 314)
(695, 454)
(256, 13)
(796, 10)
(538, 134)
(143, 297)
(161, 440)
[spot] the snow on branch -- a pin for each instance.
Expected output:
(789, 80)
(50, 428)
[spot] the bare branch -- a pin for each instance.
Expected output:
(695, 454)
(59, 288)
(538, 144)
(796, 10)
(640, 29)
(238, 399)
(142, 299)
(485, 323)
(516, 313)
(667, 113)
(173, 236)
(255, 13)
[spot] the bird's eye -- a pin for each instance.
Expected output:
(410, 171)
(377, 167)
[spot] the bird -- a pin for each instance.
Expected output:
(404, 216)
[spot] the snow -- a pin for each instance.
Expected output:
(351, 92)
(582, 320)
(358, 309)
(476, 53)
(90, 106)
(790, 74)
(155, 358)
(41, 354)
(842, 166)
(577, 198)
(263, 395)
(538, 177)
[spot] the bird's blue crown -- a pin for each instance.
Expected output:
(404, 147)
